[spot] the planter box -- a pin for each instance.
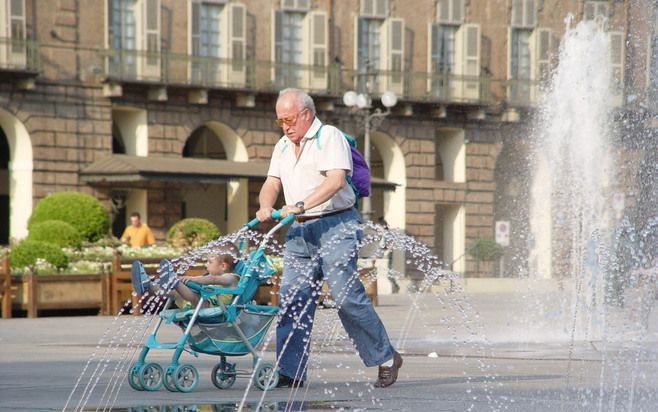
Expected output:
(39, 292)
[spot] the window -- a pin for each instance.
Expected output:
(652, 65)
(374, 8)
(529, 64)
(594, 9)
(134, 38)
(217, 43)
(519, 71)
(12, 28)
(288, 47)
(617, 51)
(300, 46)
(524, 14)
(450, 11)
(454, 56)
(205, 41)
(379, 47)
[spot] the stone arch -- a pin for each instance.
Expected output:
(234, 194)
(394, 170)
(19, 174)
(512, 176)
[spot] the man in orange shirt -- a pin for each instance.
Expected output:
(137, 234)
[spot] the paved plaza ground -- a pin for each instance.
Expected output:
(471, 353)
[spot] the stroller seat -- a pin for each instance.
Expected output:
(207, 315)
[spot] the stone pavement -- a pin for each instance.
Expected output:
(462, 352)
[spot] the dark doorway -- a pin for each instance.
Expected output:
(4, 189)
(118, 146)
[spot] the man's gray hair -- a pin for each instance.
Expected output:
(303, 98)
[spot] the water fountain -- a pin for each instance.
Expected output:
(577, 240)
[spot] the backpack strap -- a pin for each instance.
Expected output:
(317, 137)
(350, 139)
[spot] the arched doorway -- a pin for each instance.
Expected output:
(450, 216)
(512, 177)
(225, 204)
(387, 163)
(18, 174)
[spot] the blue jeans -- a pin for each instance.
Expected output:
(317, 250)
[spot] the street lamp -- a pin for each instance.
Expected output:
(361, 104)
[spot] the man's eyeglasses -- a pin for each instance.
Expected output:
(289, 121)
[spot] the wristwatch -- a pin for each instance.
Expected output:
(300, 205)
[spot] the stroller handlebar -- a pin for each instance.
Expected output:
(276, 214)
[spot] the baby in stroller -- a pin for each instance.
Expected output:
(231, 325)
(220, 264)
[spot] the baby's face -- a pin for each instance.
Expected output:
(214, 266)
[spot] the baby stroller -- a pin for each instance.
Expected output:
(233, 329)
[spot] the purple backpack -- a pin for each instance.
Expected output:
(359, 180)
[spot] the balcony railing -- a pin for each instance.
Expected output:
(19, 55)
(267, 76)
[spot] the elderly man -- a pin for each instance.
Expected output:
(310, 163)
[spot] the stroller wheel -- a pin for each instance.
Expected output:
(133, 377)
(150, 376)
(266, 377)
(223, 377)
(186, 378)
(169, 379)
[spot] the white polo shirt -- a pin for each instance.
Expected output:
(301, 175)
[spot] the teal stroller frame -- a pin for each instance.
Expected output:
(233, 329)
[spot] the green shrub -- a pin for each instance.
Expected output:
(485, 249)
(26, 253)
(60, 233)
(192, 232)
(82, 211)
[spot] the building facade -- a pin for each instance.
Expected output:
(166, 107)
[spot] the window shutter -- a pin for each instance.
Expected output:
(517, 13)
(457, 11)
(277, 30)
(541, 48)
(539, 44)
(374, 8)
(147, 18)
(443, 11)
(235, 16)
(16, 32)
(392, 55)
(467, 63)
(524, 13)
(434, 48)
(361, 53)
(367, 7)
(594, 9)
(17, 19)
(530, 13)
(590, 10)
(617, 63)
(381, 8)
(450, 11)
(316, 76)
(195, 30)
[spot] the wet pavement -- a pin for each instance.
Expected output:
(472, 355)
